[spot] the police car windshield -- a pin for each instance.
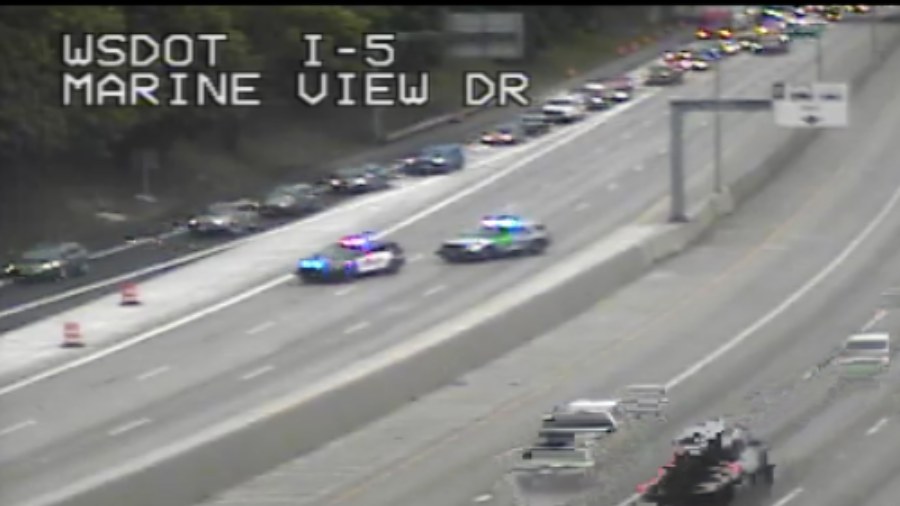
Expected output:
(351, 172)
(867, 345)
(340, 253)
(41, 255)
(485, 233)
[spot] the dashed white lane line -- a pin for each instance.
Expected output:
(612, 186)
(17, 427)
(356, 328)
(638, 168)
(415, 258)
(582, 206)
(434, 290)
(262, 327)
(877, 317)
(877, 427)
(627, 135)
(258, 372)
(483, 498)
(790, 497)
(128, 427)
(344, 291)
(152, 373)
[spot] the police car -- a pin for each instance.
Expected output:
(497, 237)
(353, 256)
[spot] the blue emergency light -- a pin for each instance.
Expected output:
(502, 222)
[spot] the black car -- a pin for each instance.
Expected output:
(596, 96)
(535, 123)
(438, 159)
(233, 218)
(292, 200)
(47, 262)
(663, 75)
(362, 179)
(772, 44)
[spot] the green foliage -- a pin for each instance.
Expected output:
(260, 38)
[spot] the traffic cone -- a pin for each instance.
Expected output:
(130, 295)
(72, 335)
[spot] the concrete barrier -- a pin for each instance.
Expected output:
(617, 66)
(184, 475)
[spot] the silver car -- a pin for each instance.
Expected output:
(292, 200)
(231, 218)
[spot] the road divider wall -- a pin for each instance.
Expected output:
(187, 472)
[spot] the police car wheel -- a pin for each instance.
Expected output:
(537, 247)
(393, 267)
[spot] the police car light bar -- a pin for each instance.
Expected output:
(502, 222)
(362, 240)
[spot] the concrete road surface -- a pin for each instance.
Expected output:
(171, 387)
(745, 325)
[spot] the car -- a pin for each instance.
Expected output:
(663, 75)
(503, 135)
(771, 44)
(833, 13)
(438, 159)
(565, 109)
(232, 218)
(48, 262)
(730, 47)
(596, 96)
(498, 236)
(865, 354)
(352, 257)
(619, 89)
(804, 28)
(594, 417)
(292, 200)
(359, 179)
(534, 123)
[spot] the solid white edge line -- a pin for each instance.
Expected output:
(17, 427)
(571, 134)
(128, 427)
(789, 497)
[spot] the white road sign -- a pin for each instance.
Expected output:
(812, 105)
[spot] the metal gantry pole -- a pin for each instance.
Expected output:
(718, 184)
(677, 213)
(820, 60)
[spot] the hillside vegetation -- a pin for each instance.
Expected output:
(49, 154)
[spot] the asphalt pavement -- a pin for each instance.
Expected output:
(744, 325)
(164, 389)
(111, 266)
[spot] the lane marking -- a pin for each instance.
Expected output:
(612, 186)
(792, 299)
(434, 290)
(415, 258)
(344, 291)
(877, 317)
(17, 427)
(639, 167)
(627, 135)
(877, 427)
(790, 497)
(483, 498)
(258, 372)
(568, 136)
(582, 206)
(356, 328)
(152, 373)
(128, 427)
(262, 327)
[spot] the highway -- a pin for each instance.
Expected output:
(743, 325)
(20, 305)
(603, 177)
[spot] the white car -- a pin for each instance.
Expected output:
(872, 348)
(565, 109)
